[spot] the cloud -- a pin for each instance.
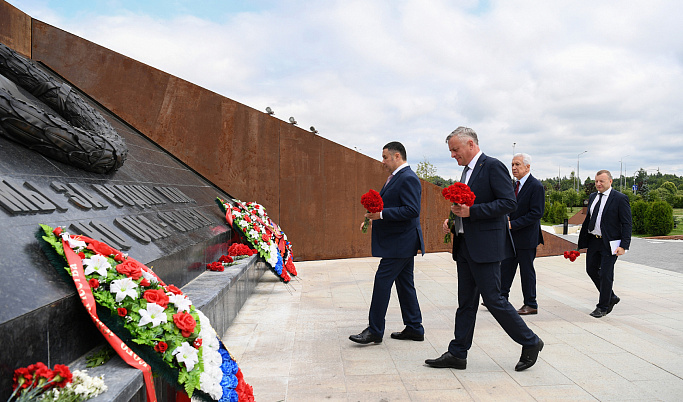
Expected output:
(554, 78)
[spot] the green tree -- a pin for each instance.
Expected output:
(425, 170)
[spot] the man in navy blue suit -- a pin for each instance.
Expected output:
(481, 241)
(396, 238)
(525, 225)
(606, 233)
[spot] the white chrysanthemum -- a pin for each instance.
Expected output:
(187, 354)
(149, 276)
(154, 313)
(96, 263)
(124, 287)
(181, 302)
(210, 379)
(75, 242)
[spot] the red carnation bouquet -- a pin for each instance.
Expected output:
(571, 255)
(372, 202)
(457, 193)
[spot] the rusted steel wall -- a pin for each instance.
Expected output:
(309, 185)
(15, 29)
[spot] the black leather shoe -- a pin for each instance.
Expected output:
(529, 356)
(597, 313)
(405, 335)
(612, 303)
(366, 337)
(447, 360)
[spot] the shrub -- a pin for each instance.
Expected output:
(659, 219)
(546, 212)
(558, 213)
(638, 212)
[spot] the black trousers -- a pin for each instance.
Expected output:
(600, 267)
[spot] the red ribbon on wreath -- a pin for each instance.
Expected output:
(88, 300)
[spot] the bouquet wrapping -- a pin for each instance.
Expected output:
(373, 203)
(457, 193)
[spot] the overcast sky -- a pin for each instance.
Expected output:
(549, 78)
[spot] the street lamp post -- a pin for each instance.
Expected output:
(578, 175)
(622, 179)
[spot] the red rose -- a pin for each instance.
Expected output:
(246, 218)
(62, 375)
(122, 311)
(130, 268)
(94, 283)
(265, 237)
(197, 343)
(161, 347)
(173, 289)
(82, 255)
(57, 231)
(156, 296)
(185, 322)
(145, 283)
(105, 250)
(372, 201)
(22, 378)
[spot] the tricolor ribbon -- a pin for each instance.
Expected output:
(88, 300)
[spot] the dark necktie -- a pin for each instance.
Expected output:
(516, 188)
(594, 214)
(457, 221)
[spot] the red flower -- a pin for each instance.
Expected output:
(173, 289)
(185, 322)
(57, 231)
(571, 255)
(290, 266)
(145, 282)
(82, 255)
(265, 237)
(62, 375)
(161, 347)
(197, 343)
(372, 201)
(226, 259)
(130, 268)
(246, 218)
(22, 378)
(245, 392)
(237, 249)
(459, 193)
(122, 311)
(94, 283)
(156, 296)
(105, 250)
(215, 266)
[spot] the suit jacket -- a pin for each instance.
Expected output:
(526, 219)
(615, 223)
(399, 234)
(486, 229)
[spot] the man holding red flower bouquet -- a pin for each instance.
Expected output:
(481, 241)
(396, 238)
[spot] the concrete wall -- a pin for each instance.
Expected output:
(309, 185)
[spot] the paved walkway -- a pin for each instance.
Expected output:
(294, 346)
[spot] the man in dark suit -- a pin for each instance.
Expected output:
(396, 237)
(525, 225)
(606, 233)
(481, 241)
